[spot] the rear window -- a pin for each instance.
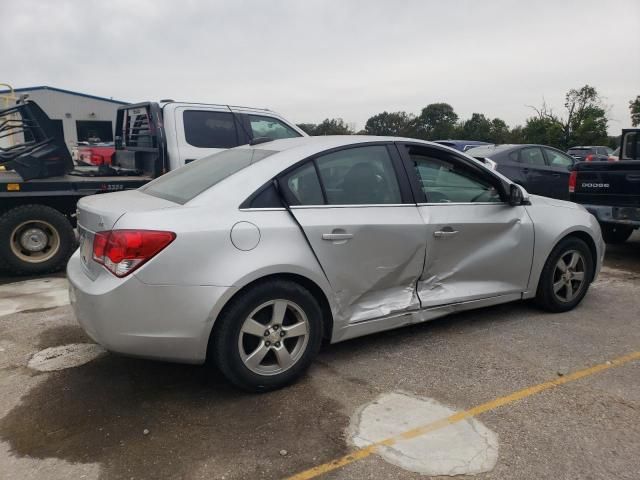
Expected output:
(209, 129)
(581, 151)
(186, 183)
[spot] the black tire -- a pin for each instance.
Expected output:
(61, 240)
(545, 296)
(224, 348)
(613, 233)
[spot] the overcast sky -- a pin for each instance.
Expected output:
(310, 60)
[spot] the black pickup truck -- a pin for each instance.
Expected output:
(611, 190)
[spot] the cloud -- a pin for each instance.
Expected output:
(316, 59)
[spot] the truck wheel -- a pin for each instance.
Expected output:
(615, 233)
(35, 239)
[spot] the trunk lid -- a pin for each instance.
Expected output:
(98, 213)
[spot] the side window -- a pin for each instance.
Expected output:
(270, 127)
(304, 186)
(444, 181)
(630, 146)
(513, 156)
(557, 159)
(532, 156)
(209, 129)
(359, 176)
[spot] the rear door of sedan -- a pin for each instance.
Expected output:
(478, 246)
(560, 163)
(356, 209)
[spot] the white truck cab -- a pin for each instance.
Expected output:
(182, 131)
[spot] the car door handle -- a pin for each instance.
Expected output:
(525, 170)
(445, 233)
(555, 174)
(337, 236)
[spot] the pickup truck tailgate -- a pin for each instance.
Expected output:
(615, 183)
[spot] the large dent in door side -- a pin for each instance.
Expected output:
(387, 289)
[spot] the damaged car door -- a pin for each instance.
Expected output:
(355, 207)
(478, 246)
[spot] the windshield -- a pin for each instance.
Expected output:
(189, 181)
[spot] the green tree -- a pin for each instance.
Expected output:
(308, 128)
(389, 124)
(543, 130)
(333, 126)
(499, 131)
(436, 121)
(585, 122)
(516, 135)
(478, 127)
(634, 108)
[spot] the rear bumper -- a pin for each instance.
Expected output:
(629, 216)
(163, 322)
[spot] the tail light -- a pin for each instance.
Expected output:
(97, 159)
(589, 158)
(123, 251)
(573, 176)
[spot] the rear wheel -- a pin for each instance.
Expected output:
(566, 276)
(35, 239)
(613, 233)
(267, 336)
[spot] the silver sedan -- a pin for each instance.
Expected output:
(251, 257)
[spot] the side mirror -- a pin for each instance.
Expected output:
(517, 195)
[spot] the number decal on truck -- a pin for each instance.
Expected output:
(108, 187)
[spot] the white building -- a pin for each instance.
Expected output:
(78, 115)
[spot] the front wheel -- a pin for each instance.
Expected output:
(267, 336)
(566, 276)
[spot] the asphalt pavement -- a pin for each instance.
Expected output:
(115, 417)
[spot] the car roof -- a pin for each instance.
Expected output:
(462, 142)
(287, 152)
(488, 150)
(326, 142)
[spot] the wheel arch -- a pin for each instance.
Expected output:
(307, 283)
(588, 239)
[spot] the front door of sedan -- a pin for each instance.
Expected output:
(478, 246)
(355, 208)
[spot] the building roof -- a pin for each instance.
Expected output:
(61, 90)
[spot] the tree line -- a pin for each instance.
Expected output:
(583, 121)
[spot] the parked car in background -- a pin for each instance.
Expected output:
(615, 155)
(243, 258)
(590, 153)
(611, 191)
(462, 145)
(540, 169)
(95, 153)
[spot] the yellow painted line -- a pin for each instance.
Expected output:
(365, 452)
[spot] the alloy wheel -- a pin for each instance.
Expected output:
(273, 337)
(569, 276)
